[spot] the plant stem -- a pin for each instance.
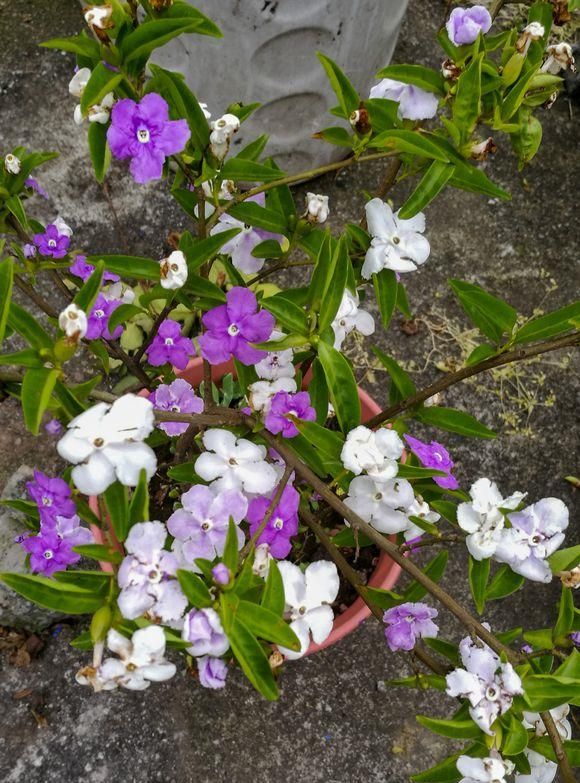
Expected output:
(563, 761)
(154, 329)
(452, 378)
(269, 511)
(276, 268)
(35, 297)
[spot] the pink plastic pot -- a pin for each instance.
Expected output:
(385, 574)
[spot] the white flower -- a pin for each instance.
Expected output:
(226, 192)
(316, 208)
(276, 364)
(414, 103)
(235, 463)
(79, 81)
(100, 112)
(261, 392)
(542, 770)
(482, 518)
(349, 317)
(12, 164)
(533, 720)
(73, 322)
(492, 769)
(262, 560)
(105, 443)
(396, 244)
(62, 227)
(560, 57)
(418, 508)
(141, 661)
(383, 505)
(308, 597)
(532, 32)
(173, 271)
(222, 131)
(373, 452)
(206, 113)
(98, 16)
(117, 291)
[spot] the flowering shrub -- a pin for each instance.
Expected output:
(208, 508)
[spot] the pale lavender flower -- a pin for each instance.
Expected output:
(414, 103)
(434, 455)
(240, 247)
(285, 405)
(34, 184)
(169, 346)
(29, 250)
(52, 243)
(212, 672)
(575, 638)
(51, 495)
(221, 574)
(53, 427)
(177, 397)
(282, 523)
(147, 576)
(81, 268)
(203, 628)
(98, 319)
(231, 327)
(465, 24)
(407, 623)
(143, 132)
(200, 528)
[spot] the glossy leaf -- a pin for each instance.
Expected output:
(194, 588)
(435, 570)
(53, 594)
(455, 729)
(252, 659)
(332, 298)
(139, 504)
(264, 624)
(466, 107)
(28, 327)
(504, 582)
(239, 169)
(86, 295)
(549, 325)
(491, 315)
(478, 576)
(183, 104)
(385, 284)
(348, 98)
(432, 183)
(273, 596)
(6, 283)
(455, 421)
(401, 384)
(411, 142)
(101, 82)
(99, 149)
(117, 503)
(253, 214)
(99, 552)
(37, 388)
(289, 315)
(341, 386)
(425, 78)
(129, 266)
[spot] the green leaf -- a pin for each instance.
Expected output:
(252, 659)
(194, 588)
(480, 353)
(543, 746)
(504, 582)
(154, 33)
(37, 388)
(273, 596)
(434, 569)
(454, 421)
(6, 283)
(332, 298)
(348, 98)
(565, 559)
(466, 107)
(52, 594)
(491, 315)
(515, 736)
(122, 314)
(239, 169)
(101, 82)
(432, 183)
(401, 384)
(410, 142)
(546, 691)
(28, 327)
(77, 44)
(384, 599)
(254, 215)
(425, 78)
(230, 555)
(86, 295)
(456, 729)
(385, 284)
(565, 619)
(69, 401)
(414, 472)
(129, 266)
(326, 441)
(117, 503)
(204, 25)
(184, 473)
(105, 554)
(341, 386)
(269, 248)
(28, 357)
(338, 136)
(478, 576)
(288, 314)
(446, 771)
(444, 648)
(204, 289)
(99, 150)
(14, 206)
(139, 505)
(184, 104)
(266, 625)
(549, 325)
(318, 390)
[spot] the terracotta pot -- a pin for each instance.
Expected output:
(385, 574)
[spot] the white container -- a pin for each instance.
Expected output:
(268, 55)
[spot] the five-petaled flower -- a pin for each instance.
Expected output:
(105, 443)
(316, 208)
(414, 103)
(396, 244)
(143, 132)
(169, 346)
(482, 519)
(372, 452)
(383, 505)
(51, 495)
(98, 320)
(490, 769)
(51, 549)
(408, 622)
(203, 628)
(234, 463)
(284, 408)
(465, 24)
(175, 397)
(351, 317)
(434, 455)
(173, 271)
(52, 243)
(282, 523)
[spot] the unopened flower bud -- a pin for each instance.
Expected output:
(98, 16)
(262, 558)
(12, 164)
(434, 400)
(100, 624)
(73, 322)
(79, 81)
(221, 134)
(173, 271)
(532, 32)
(316, 208)
(571, 578)
(221, 574)
(560, 58)
(360, 121)
(481, 150)
(450, 70)
(206, 113)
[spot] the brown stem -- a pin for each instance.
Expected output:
(276, 268)
(452, 378)
(556, 740)
(154, 329)
(135, 369)
(184, 443)
(35, 297)
(387, 183)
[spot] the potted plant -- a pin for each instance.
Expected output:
(239, 500)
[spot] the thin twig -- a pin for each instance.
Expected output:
(154, 329)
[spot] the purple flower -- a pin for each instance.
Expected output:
(98, 320)
(53, 427)
(240, 247)
(212, 672)
(284, 405)
(80, 268)
(170, 346)
(51, 495)
(143, 132)
(32, 183)
(465, 24)
(230, 328)
(407, 623)
(200, 528)
(203, 628)
(177, 397)
(51, 550)
(282, 524)
(221, 574)
(575, 638)
(434, 455)
(527, 649)
(52, 242)
(29, 250)
(414, 103)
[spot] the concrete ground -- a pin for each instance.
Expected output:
(335, 721)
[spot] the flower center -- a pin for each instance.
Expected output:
(48, 554)
(535, 539)
(206, 525)
(492, 693)
(130, 667)
(154, 576)
(175, 409)
(396, 240)
(168, 341)
(379, 496)
(143, 135)
(233, 330)
(302, 610)
(52, 242)
(278, 523)
(46, 501)
(98, 442)
(342, 322)
(174, 268)
(232, 461)
(99, 313)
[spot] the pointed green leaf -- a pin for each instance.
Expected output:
(194, 588)
(37, 388)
